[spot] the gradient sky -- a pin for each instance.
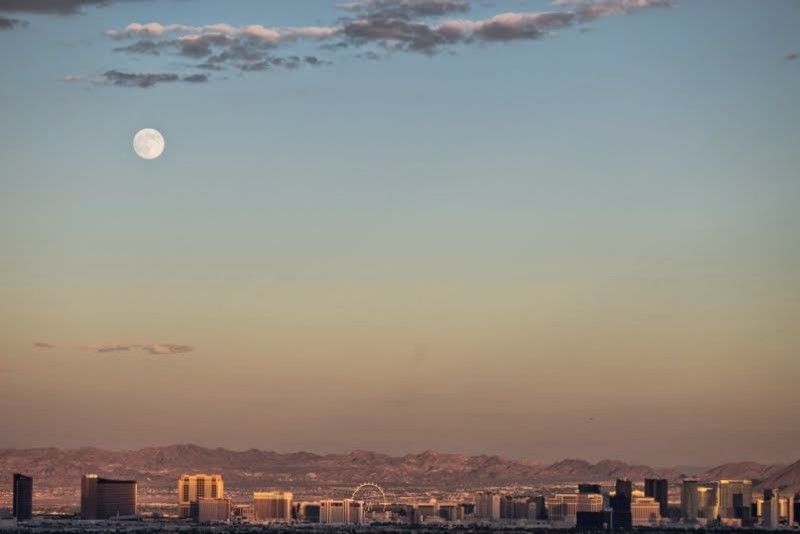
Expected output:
(578, 243)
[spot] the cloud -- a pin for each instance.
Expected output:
(57, 7)
(791, 57)
(420, 26)
(9, 24)
(587, 10)
(151, 348)
(144, 47)
(143, 80)
(257, 32)
(196, 78)
(167, 348)
(73, 78)
(508, 26)
(406, 9)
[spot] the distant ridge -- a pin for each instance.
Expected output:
(159, 467)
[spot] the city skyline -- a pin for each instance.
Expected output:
(614, 505)
(538, 229)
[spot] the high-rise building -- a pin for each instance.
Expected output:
(589, 513)
(690, 503)
(191, 488)
(708, 503)
(589, 502)
(538, 502)
(307, 511)
(522, 509)
(487, 505)
(771, 510)
(272, 506)
(796, 508)
(733, 496)
(104, 498)
(623, 486)
(23, 497)
(506, 507)
(450, 511)
(645, 511)
(589, 488)
(341, 512)
(658, 489)
(517, 508)
(620, 504)
(213, 510)
(426, 511)
(562, 508)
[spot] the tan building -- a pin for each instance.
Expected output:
(213, 510)
(243, 513)
(707, 503)
(191, 488)
(427, 511)
(562, 508)
(733, 494)
(341, 512)
(272, 506)
(589, 502)
(487, 505)
(451, 511)
(645, 511)
(690, 501)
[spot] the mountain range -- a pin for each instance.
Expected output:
(160, 467)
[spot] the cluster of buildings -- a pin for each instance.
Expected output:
(201, 498)
(727, 503)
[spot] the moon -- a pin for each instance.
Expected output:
(148, 143)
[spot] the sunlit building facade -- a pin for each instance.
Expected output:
(735, 496)
(307, 511)
(272, 506)
(191, 488)
(562, 508)
(707, 501)
(213, 510)
(645, 511)
(341, 512)
(690, 500)
(487, 506)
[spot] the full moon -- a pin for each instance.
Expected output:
(148, 143)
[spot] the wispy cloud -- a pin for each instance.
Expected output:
(151, 348)
(420, 26)
(57, 7)
(405, 9)
(147, 79)
(587, 10)
(792, 57)
(9, 23)
(273, 36)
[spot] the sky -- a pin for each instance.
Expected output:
(529, 228)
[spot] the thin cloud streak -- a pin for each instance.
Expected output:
(9, 23)
(151, 348)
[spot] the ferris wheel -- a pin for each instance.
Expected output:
(372, 494)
